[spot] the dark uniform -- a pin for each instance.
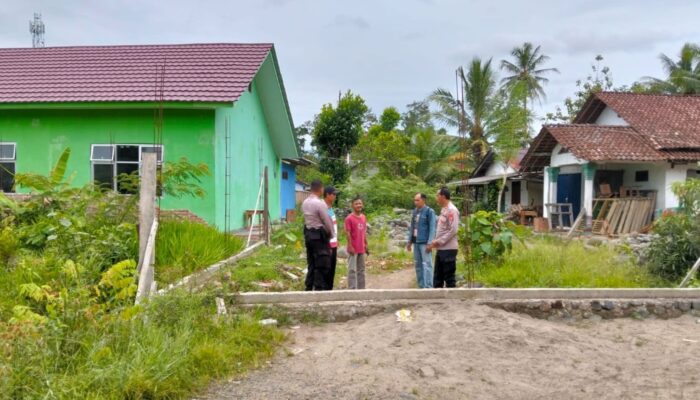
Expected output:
(318, 231)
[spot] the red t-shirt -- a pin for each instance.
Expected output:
(356, 228)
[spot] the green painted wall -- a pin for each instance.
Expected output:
(247, 127)
(42, 134)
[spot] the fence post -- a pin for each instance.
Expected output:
(147, 199)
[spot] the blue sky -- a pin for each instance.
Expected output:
(390, 52)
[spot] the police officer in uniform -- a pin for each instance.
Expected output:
(318, 231)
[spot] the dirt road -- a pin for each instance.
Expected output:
(465, 351)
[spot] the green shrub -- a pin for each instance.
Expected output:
(9, 244)
(378, 192)
(677, 245)
(675, 249)
(183, 247)
(488, 236)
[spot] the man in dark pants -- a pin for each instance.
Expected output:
(318, 231)
(445, 242)
(329, 195)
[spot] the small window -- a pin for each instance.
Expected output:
(109, 162)
(641, 176)
(7, 151)
(7, 167)
(285, 175)
(102, 153)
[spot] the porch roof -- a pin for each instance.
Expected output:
(598, 143)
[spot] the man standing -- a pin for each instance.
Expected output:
(318, 231)
(356, 229)
(445, 241)
(329, 195)
(420, 234)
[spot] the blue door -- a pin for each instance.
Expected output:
(569, 191)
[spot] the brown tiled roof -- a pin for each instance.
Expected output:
(669, 121)
(193, 72)
(598, 143)
(661, 128)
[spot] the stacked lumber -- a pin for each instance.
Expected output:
(620, 216)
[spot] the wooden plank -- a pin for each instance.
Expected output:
(581, 217)
(615, 215)
(690, 274)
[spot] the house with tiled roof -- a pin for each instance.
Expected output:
(619, 145)
(222, 104)
(524, 190)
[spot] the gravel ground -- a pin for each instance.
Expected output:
(465, 351)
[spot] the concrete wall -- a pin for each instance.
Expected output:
(42, 135)
(250, 140)
(496, 169)
(661, 179)
(558, 160)
(610, 117)
(287, 189)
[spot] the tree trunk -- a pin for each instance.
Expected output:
(502, 190)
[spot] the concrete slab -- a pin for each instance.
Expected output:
(461, 294)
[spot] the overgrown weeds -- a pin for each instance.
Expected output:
(552, 263)
(183, 247)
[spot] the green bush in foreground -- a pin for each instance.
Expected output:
(170, 349)
(550, 263)
(183, 247)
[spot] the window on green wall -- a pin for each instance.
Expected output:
(109, 161)
(8, 156)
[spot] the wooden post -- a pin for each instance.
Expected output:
(266, 211)
(147, 200)
(692, 272)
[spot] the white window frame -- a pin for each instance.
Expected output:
(12, 160)
(14, 151)
(114, 161)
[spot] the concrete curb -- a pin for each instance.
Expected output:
(461, 294)
(204, 275)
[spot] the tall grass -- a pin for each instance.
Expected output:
(183, 247)
(551, 263)
(171, 350)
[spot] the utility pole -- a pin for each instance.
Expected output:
(37, 29)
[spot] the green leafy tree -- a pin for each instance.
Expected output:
(417, 118)
(390, 119)
(387, 153)
(527, 68)
(302, 132)
(509, 126)
(683, 76)
(336, 131)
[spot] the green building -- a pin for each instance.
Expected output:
(222, 104)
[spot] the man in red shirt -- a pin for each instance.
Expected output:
(356, 229)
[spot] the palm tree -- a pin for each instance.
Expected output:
(434, 154)
(468, 111)
(527, 67)
(683, 75)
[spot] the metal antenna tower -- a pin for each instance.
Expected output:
(37, 30)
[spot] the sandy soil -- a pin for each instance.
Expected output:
(465, 351)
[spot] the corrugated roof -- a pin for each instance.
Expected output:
(193, 72)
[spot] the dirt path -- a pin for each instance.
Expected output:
(401, 279)
(466, 351)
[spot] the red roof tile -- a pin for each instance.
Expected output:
(669, 121)
(603, 143)
(193, 72)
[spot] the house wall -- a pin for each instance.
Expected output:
(497, 168)
(250, 150)
(42, 135)
(287, 189)
(609, 117)
(559, 159)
